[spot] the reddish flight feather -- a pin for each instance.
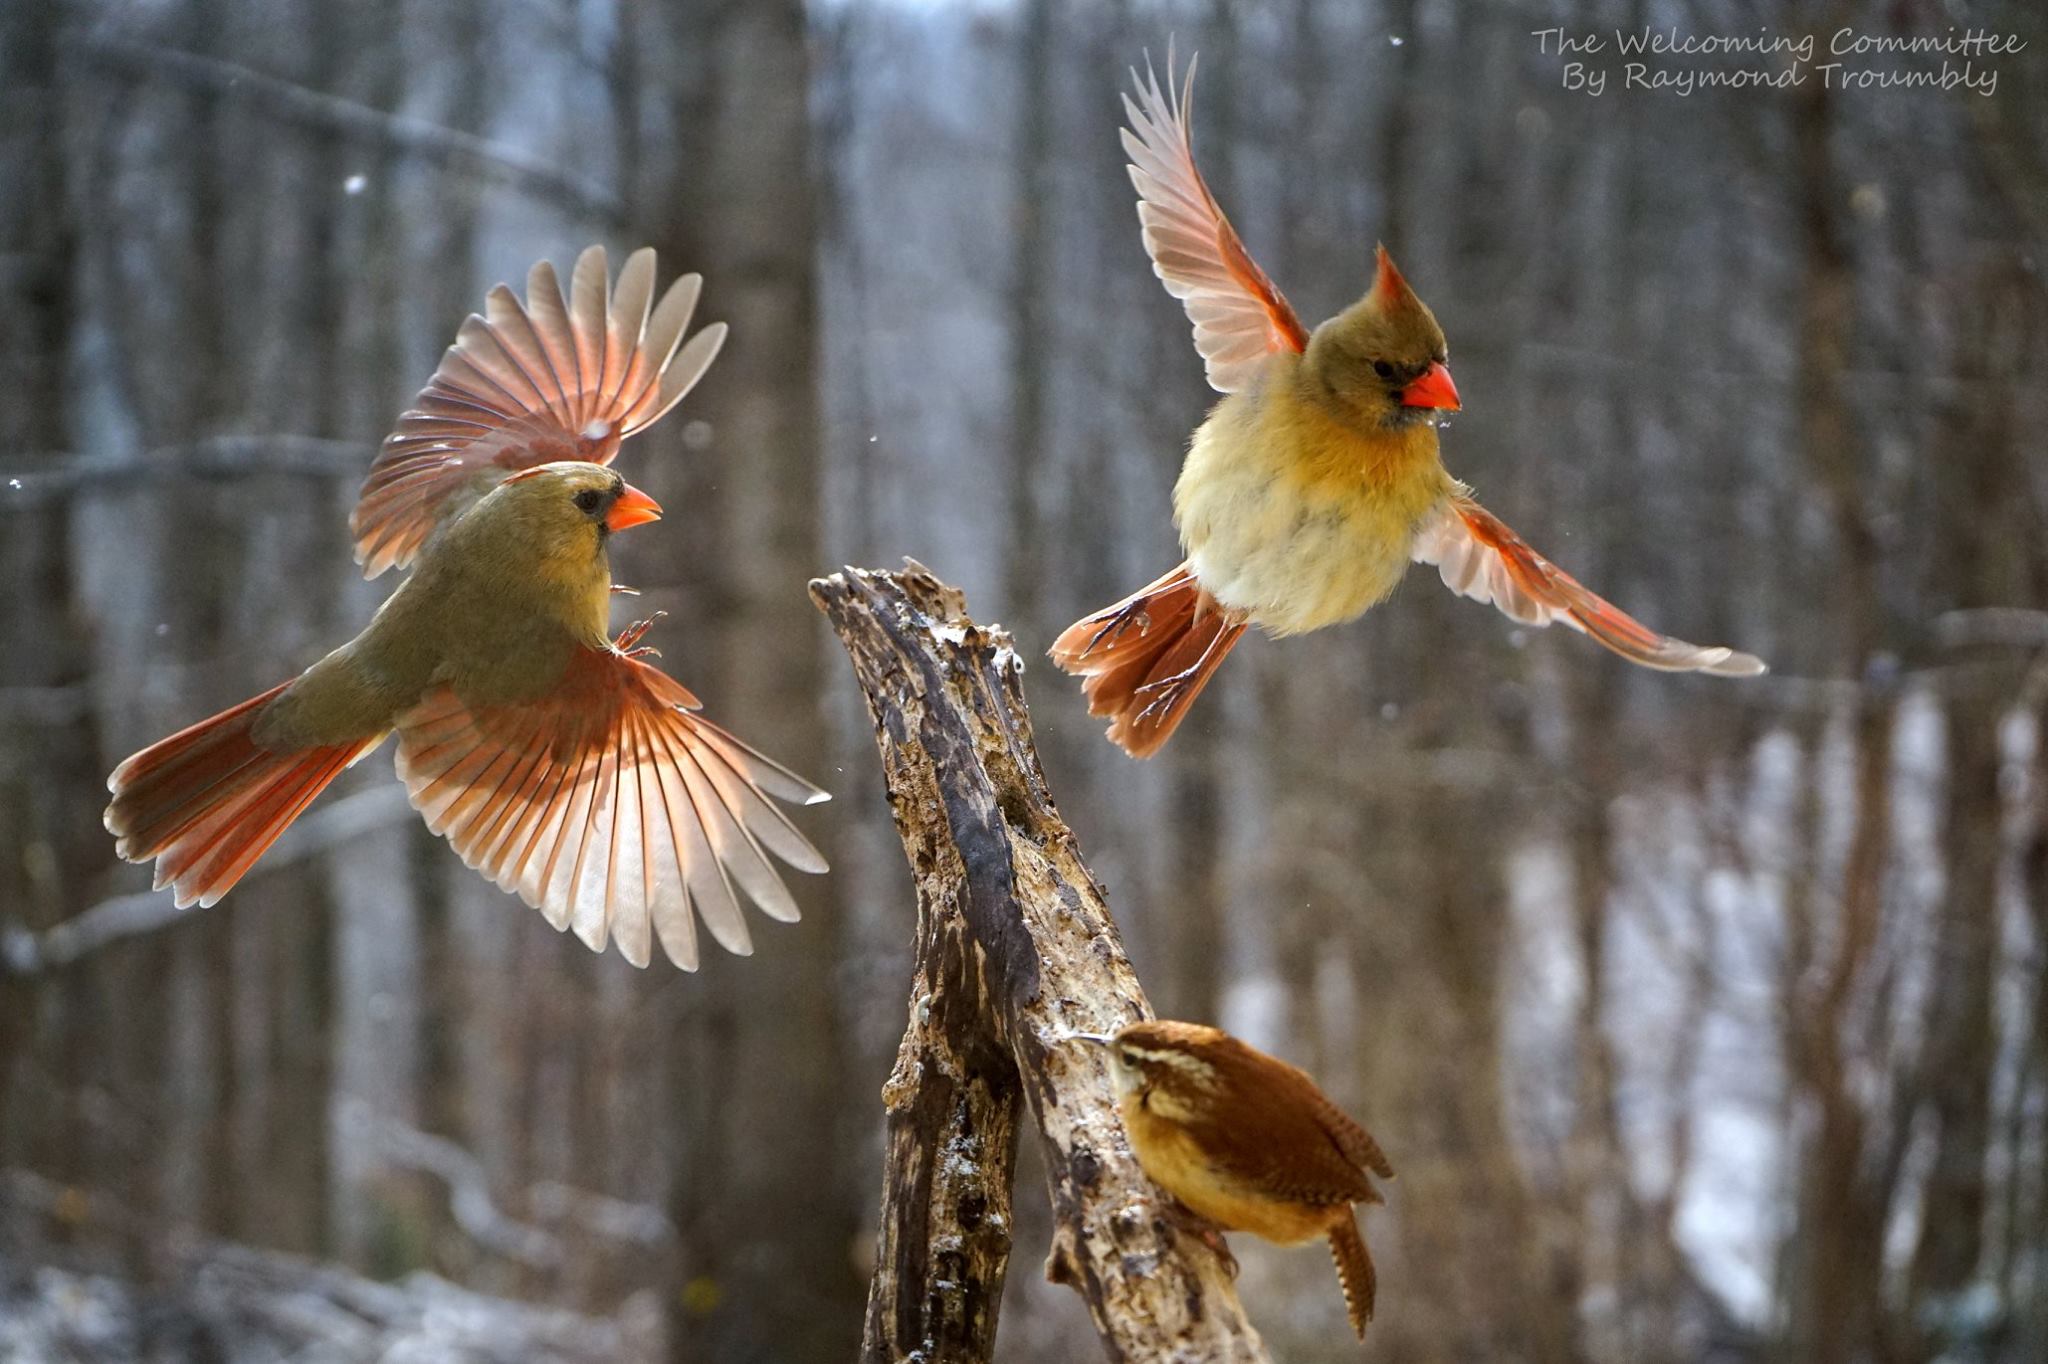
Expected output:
(524, 386)
(609, 807)
(604, 802)
(1147, 658)
(1481, 558)
(1239, 315)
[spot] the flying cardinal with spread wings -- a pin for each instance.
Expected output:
(552, 757)
(1315, 481)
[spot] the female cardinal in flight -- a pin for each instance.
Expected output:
(552, 757)
(1315, 482)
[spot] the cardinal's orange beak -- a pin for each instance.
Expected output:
(1433, 389)
(633, 508)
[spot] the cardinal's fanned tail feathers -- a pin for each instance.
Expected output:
(1147, 658)
(207, 802)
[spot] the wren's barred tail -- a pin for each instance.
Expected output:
(1354, 1271)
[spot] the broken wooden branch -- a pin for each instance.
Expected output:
(1015, 950)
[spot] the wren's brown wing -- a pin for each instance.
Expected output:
(1239, 315)
(610, 807)
(1353, 1140)
(1306, 1152)
(526, 385)
(1291, 1157)
(1481, 558)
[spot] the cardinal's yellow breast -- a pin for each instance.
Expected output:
(1297, 516)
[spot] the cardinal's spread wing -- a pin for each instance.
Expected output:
(1239, 316)
(522, 386)
(1481, 558)
(609, 807)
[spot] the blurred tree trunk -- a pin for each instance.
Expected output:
(1983, 515)
(2025, 1205)
(1032, 270)
(47, 776)
(1475, 1260)
(1837, 1299)
(444, 1105)
(764, 1217)
(194, 404)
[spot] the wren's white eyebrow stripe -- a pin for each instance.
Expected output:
(1192, 1066)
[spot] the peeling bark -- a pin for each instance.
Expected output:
(1015, 949)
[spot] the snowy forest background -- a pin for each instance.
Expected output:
(1701, 1020)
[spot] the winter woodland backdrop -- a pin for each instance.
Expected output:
(1700, 1019)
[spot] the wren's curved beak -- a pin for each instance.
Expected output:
(631, 508)
(1100, 1039)
(1433, 389)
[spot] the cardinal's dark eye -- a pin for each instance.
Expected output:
(588, 499)
(1383, 369)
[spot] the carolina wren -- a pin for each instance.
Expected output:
(1248, 1142)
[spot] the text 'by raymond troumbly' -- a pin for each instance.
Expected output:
(1675, 61)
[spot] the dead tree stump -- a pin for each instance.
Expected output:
(1015, 948)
